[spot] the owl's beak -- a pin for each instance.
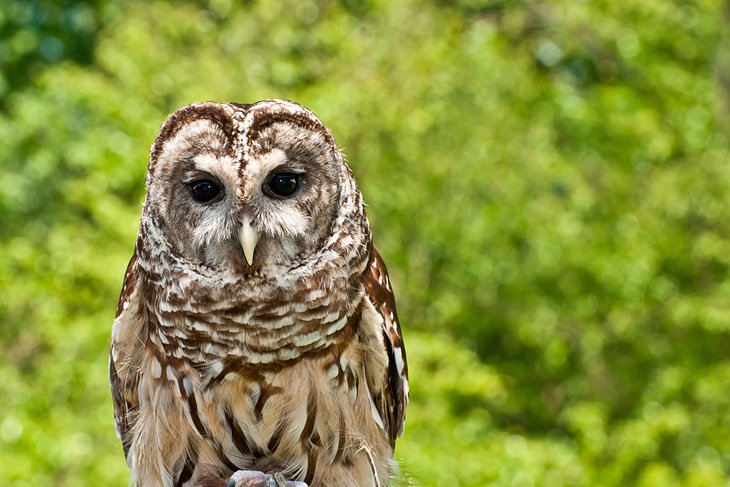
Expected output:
(249, 237)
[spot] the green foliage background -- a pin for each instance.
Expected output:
(548, 182)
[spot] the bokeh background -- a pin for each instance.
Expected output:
(549, 183)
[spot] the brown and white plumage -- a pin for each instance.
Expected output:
(255, 332)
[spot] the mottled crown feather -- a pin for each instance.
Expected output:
(214, 112)
(243, 118)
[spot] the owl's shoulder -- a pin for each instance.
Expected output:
(391, 374)
(126, 354)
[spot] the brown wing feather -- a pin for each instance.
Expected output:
(392, 405)
(124, 376)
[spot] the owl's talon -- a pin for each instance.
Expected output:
(278, 480)
(247, 478)
(254, 478)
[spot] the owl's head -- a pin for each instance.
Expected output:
(249, 188)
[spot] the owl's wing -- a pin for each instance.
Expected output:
(391, 404)
(125, 354)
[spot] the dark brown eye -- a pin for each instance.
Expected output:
(283, 184)
(204, 190)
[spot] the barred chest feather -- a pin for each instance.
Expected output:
(261, 323)
(311, 417)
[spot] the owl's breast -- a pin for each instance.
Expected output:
(257, 326)
(312, 421)
(274, 386)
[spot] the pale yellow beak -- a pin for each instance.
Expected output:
(249, 237)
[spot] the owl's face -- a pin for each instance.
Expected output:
(245, 188)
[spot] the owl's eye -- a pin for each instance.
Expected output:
(283, 184)
(204, 190)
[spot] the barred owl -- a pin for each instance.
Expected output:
(256, 340)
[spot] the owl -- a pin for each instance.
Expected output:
(256, 340)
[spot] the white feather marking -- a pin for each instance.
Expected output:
(215, 226)
(216, 367)
(188, 385)
(398, 354)
(215, 349)
(200, 326)
(270, 161)
(331, 316)
(346, 241)
(308, 339)
(288, 353)
(300, 307)
(315, 294)
(373, 409)
(170, 373)
(337, 326)
(281, 220)
(333, 371)
(180, 333)
(156, 369)
(280, 323)
(115, 357)
(261, 357)
(222, 166)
